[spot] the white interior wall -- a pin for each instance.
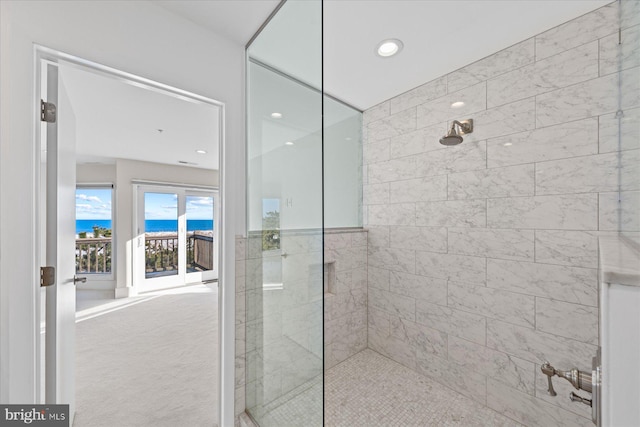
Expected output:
(136, 37)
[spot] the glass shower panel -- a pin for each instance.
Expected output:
(284, 280)
(342, 165)
(626, 125)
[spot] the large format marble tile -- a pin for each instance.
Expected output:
(419, 141)
(392, 303)
(433, 239)
(618, 134)
(463, 380)
(578, 138)
(375, 194)
(395, 214)
(375, 152)
(440, 110)
(392, 170)
(619, 211)
(590, 174)
(492, 243)
(529, 410)
(615, 57)
(507, 369)
(452, 267)
(377, 277)
(419, 95)
(393, 259)
(376, 112)
(497, 182)
(499, 304)
(574, 248)
(452, 213)
(558, 71)
(571, 284)
(588, 99)
(419, 287)
(391, 126)
(418, 190)
(501, 62)
(459, 158)
(579, 31)
(575, 321)
(422, 340)
(538, 347)
(460, 323)
(568, 212)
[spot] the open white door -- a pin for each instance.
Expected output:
(60, 244)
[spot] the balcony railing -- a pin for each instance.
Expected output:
(161, 253)
(93, 255)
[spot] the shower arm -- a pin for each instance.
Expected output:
(466, 126)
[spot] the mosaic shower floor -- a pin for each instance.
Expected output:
(370, 390)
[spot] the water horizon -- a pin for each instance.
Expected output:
(151, 225)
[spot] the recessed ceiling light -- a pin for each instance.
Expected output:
(201, 151)
(288, 143)
(389, 47)
(457, 104)
(508, 144)
(276, 115)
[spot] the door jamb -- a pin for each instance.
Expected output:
(226, 321)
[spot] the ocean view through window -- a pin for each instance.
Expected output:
(94, 230)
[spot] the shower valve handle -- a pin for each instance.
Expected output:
(549, 371)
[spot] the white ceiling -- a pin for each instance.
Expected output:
(115, 119)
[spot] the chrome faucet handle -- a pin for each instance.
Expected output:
(549, 371)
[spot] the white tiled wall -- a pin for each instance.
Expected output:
(482, 257)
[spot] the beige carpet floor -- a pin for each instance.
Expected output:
(150, 362)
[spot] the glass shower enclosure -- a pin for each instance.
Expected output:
(284, 266)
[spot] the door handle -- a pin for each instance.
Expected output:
(77, 279)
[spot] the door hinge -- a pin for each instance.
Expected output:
(47, 276)
(47, 112)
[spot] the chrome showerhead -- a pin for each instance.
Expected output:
(453, 137)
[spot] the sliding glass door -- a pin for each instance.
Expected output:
(176, 241)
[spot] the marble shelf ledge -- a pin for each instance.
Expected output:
(619, 261)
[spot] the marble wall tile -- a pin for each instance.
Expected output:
(612, 59)
(574, 248)
(589, 174)
(463, 380)
(567, 212)
(418, 190)
(493, 243)
(378, 321)
(378, 236)
(452, 267)
(375, 152)
(499, 304)
(469, 326)
(394, 348)
(498, 182)
(501, 62)
(393, 125)
(452, 213)
(395, 214)
(375, 113)
(460, 158)
(506, 119)
(375, 194)
(241, 248)
(359, 238)
(630, 14)
(509, 370)
(588, 99)
(392, 170)
(419, 141)
(529, 410)
(428, 91)
(422, 340)
(571, 284)
(419, 287)
(620, 135)
(538, 347)
(395, 304)
(393, 259)
(377, 277)
(579, 138)
(439, 110)
(615, 215)
(579, 31)
(575, 321)
(555, 72)
(432, 239)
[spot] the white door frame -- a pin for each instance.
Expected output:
(226, 313)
